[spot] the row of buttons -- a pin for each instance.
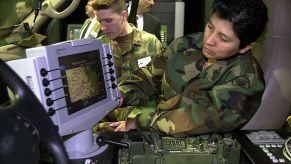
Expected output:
(47, 91)
(272, 145)
(270, 154)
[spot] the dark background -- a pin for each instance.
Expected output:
(195, 18)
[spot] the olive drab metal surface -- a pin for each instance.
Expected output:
(150, 148)
(21, 35)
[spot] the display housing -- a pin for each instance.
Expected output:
(74, 80)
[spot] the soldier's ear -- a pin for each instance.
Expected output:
(246, 48)
(124, 15)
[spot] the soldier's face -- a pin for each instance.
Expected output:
(220, 40)
(111, 23)
(144, 6)
(22, 10)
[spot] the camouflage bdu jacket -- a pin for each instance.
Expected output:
(139, 50)
(193, 99)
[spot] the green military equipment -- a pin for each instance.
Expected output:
(6, 30)
(21, 35)
(154, 149)
(14, 39)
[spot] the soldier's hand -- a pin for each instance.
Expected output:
(124, 126)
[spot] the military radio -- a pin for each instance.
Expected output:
(152, 148)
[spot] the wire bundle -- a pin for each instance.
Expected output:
(286, 150)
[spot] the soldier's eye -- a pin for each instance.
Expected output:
(209, 26)
(223, 38)
(108, 20)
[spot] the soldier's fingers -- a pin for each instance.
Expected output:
(114, 124)
(120, 128)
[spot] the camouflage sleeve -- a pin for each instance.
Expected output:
(226, 107)
(145, 82)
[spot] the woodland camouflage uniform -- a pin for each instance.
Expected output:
(193, 99)
(141, 45)
(137, 47)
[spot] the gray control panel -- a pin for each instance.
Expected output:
(271, 143)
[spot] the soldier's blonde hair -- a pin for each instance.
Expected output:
(117, 6)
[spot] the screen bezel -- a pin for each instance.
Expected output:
(89, 116)
(87, 60)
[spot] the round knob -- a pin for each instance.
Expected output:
(45, 82)
(111, 71)
(112, 78)
(113, 85)
(109, 56)
(43, 72)
(51, 112)
(47, 92)
(49, 102)
(110, 63)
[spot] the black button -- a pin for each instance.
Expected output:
(110, 63)
(112, 78)
(113, 86)
(45, 82)
(43, 72)
(111, 71)
(47, 92)
(109, 56)
(49, 102)
(51, 112)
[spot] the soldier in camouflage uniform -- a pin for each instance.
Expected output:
(131, 48)
(210, 82)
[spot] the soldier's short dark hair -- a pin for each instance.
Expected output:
(248, 17)
(28, 3)
(117, 5)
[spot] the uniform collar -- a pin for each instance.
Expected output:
(137, 37)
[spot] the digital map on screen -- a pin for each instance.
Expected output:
(82, 83)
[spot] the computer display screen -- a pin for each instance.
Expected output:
(83, 80)
(74, 80)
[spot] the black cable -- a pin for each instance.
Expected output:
(37, 9)
(132, 15)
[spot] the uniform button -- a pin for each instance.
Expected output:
(262, 146)
(269, 154)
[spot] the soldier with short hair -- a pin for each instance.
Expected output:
(210, 81)
(22, 9)
(131, 48)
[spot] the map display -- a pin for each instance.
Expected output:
(82, 77)
(82, 83)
